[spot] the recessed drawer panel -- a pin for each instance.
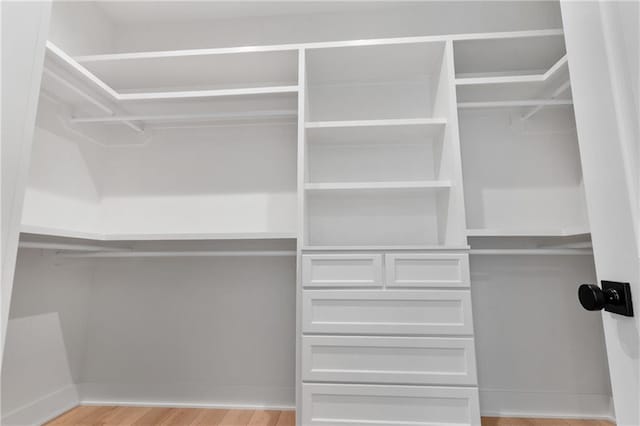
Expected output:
(334, 404)
(399, 360)
(427, 270)
(387, 312)
(342, 270)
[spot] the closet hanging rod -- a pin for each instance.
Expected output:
(67, 246)
(507, 104)
(185, 117)
(178, 253)
(533, 252)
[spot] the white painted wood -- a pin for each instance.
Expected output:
(426, 270)
(387, 312)
(342, 270)
(501, 56)
(187, 117)
(394, 360)
(24, 31)
(439, 184)
(179, 253)
(493, 232)
(607, 127)
(384, 248)
(195, 94)
(329, 404)
(246, 69)
(427, 122)
(274, 48)
(509, 104)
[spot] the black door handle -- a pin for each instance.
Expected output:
(613, 297)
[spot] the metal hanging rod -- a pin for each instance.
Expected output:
(241, 115)
(67, 246)
(178, 253)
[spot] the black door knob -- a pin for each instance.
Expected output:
(593, 298)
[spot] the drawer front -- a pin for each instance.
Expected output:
(329, 404)
(342, 270)
(427, 270)
(400, 360)
(387, 312)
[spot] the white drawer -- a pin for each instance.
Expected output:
(427, 270)
(387, 312)
(400, 360)
(342, 270)
(353, 405)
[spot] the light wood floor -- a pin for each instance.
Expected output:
(147, 416)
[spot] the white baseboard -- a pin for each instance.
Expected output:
(43, 409)
(187, 395)
(507, 403)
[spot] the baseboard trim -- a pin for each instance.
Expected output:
(550, 405)
(174, 404)
(43, 409)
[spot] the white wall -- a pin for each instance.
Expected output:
(46, 337)
(64, 186)
(539, 353)
(80, 27)
(192, 331)
(203, 180)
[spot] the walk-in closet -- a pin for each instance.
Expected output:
(369, 213)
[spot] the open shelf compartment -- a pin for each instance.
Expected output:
(375, 82)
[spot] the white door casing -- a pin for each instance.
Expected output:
(25, 27)
(603, 85)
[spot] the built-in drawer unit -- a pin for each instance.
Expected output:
(387, 312)
(427, 270)
(342, 270)
(335, 404)
(397, 360)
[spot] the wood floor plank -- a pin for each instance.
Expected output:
(125, 415)
(210, 417)
(264, 418)
(74, 416)
(287, 418)
(181, 417)
(163, 416)
(237, 418)
(154, 417)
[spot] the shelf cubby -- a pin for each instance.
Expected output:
(374, 82)
(375, 218)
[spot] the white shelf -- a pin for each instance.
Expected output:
(384, 247)
(489, 232)
(55, 232)
(501, 88)
(339, 186)
(511, 55)
(407, 122)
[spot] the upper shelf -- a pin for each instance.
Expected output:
(179, 73)
(508, 56)
(56, 232)
(560, 232)
(551, 84)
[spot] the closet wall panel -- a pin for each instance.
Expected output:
(538, 350)
(216, 331)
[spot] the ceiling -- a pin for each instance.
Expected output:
(173, 11)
